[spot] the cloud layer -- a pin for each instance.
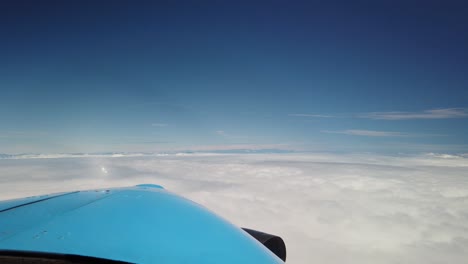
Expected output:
(328, 208)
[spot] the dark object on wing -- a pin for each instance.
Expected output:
(21, 257)
(274, 243)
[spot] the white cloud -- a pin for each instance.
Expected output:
(329, 208)
(368, 133)
(443, 113)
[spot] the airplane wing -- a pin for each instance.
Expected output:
(140, 224)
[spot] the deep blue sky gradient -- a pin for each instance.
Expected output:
(86, 76)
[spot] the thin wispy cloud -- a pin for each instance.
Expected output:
(233, 147)
(443, 113)
(439, 113)
(312, 115)
(368, 133)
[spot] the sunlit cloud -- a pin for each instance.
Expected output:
(329, 208)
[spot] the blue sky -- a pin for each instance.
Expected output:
(86, 76)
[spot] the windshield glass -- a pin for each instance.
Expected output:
(340, 126)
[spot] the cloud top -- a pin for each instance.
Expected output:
(329, 208)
